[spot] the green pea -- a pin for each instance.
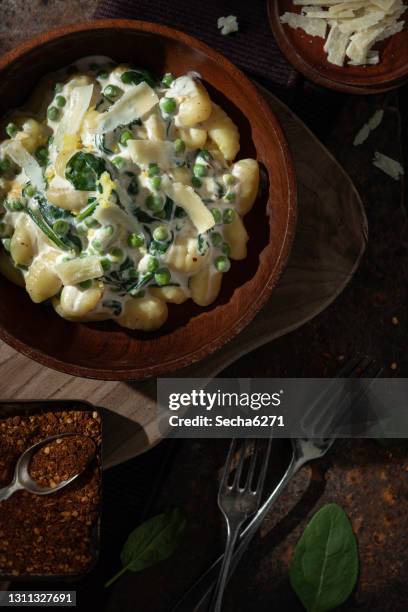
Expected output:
(168, 105)
(53, 113)
(58, 87)
(226, 249)
(162, 277)
(15, 206)
(200, 170)
(119, 162)
(61, 227)
(229, 179)
(167, 79)
(196, 182)
(222, 263)
(152, 265)
(61, 101)
(216, 238)
(42, 155)
(228, 215)
(106, 264)
(6, 244)
(160, 233)
(86, 284)
(156, 182)
(216, 213)
(231, 196)
(135, 240)
(111, 91)
(153, 170)
(116, 253)
(206, 155)
(28, 190)
(154, 203)
(6, 231)
(97, 245)
(5, 164)
(179, 145)
(11, 130)
(92, 223)
(124, 137)
(102, 74)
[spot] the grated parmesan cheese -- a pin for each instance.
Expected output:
(351, 27)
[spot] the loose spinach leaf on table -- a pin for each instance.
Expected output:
(152, 542)
(325, 564)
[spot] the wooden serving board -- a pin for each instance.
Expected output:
(329, 243)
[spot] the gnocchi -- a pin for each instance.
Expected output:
(120, 194)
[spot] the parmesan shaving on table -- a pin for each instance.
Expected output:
(350, 28)
(388, 165)
(371, 125)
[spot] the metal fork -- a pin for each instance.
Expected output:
(239, 497)
(303, 451)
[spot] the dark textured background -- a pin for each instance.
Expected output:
(369, 481)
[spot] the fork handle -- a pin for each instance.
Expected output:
(233, 529)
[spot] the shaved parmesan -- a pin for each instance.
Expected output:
(134, 103)
(355, 26)
(187, 198)
(227, 25)
(145, 152)
(79, 270)
(314, 27)
(388, 165)
(27, 162)
(70, 124)
(368, 127)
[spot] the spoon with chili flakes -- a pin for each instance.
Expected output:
(51, 464)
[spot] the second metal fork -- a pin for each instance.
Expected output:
(239, 497)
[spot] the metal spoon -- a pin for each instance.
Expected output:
(22, 478)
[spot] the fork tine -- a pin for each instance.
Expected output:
(241, 460)
(228, 464)
(262, 475)
(252, 465)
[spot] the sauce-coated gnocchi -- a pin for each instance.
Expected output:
(119, 194)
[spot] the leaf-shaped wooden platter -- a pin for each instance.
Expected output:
(330, 240)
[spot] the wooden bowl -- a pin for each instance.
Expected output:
(105, 350)
(307, 55)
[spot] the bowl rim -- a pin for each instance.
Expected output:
(188, 358)
(349, 83)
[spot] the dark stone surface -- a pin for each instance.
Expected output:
(370, 316)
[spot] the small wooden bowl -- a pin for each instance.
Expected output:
(307, 55)
(107, 351)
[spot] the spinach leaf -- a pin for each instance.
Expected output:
(83, 171)
(138, 75)
(49, 214)
(100, 143)
(325, 564)
(202, 244)
(152, 542)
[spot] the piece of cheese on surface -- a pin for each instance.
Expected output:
(190, 201)
(227, 25)
(372, 124)
(388, 165)
(336, 45)
(314, 27)
(134, 104)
